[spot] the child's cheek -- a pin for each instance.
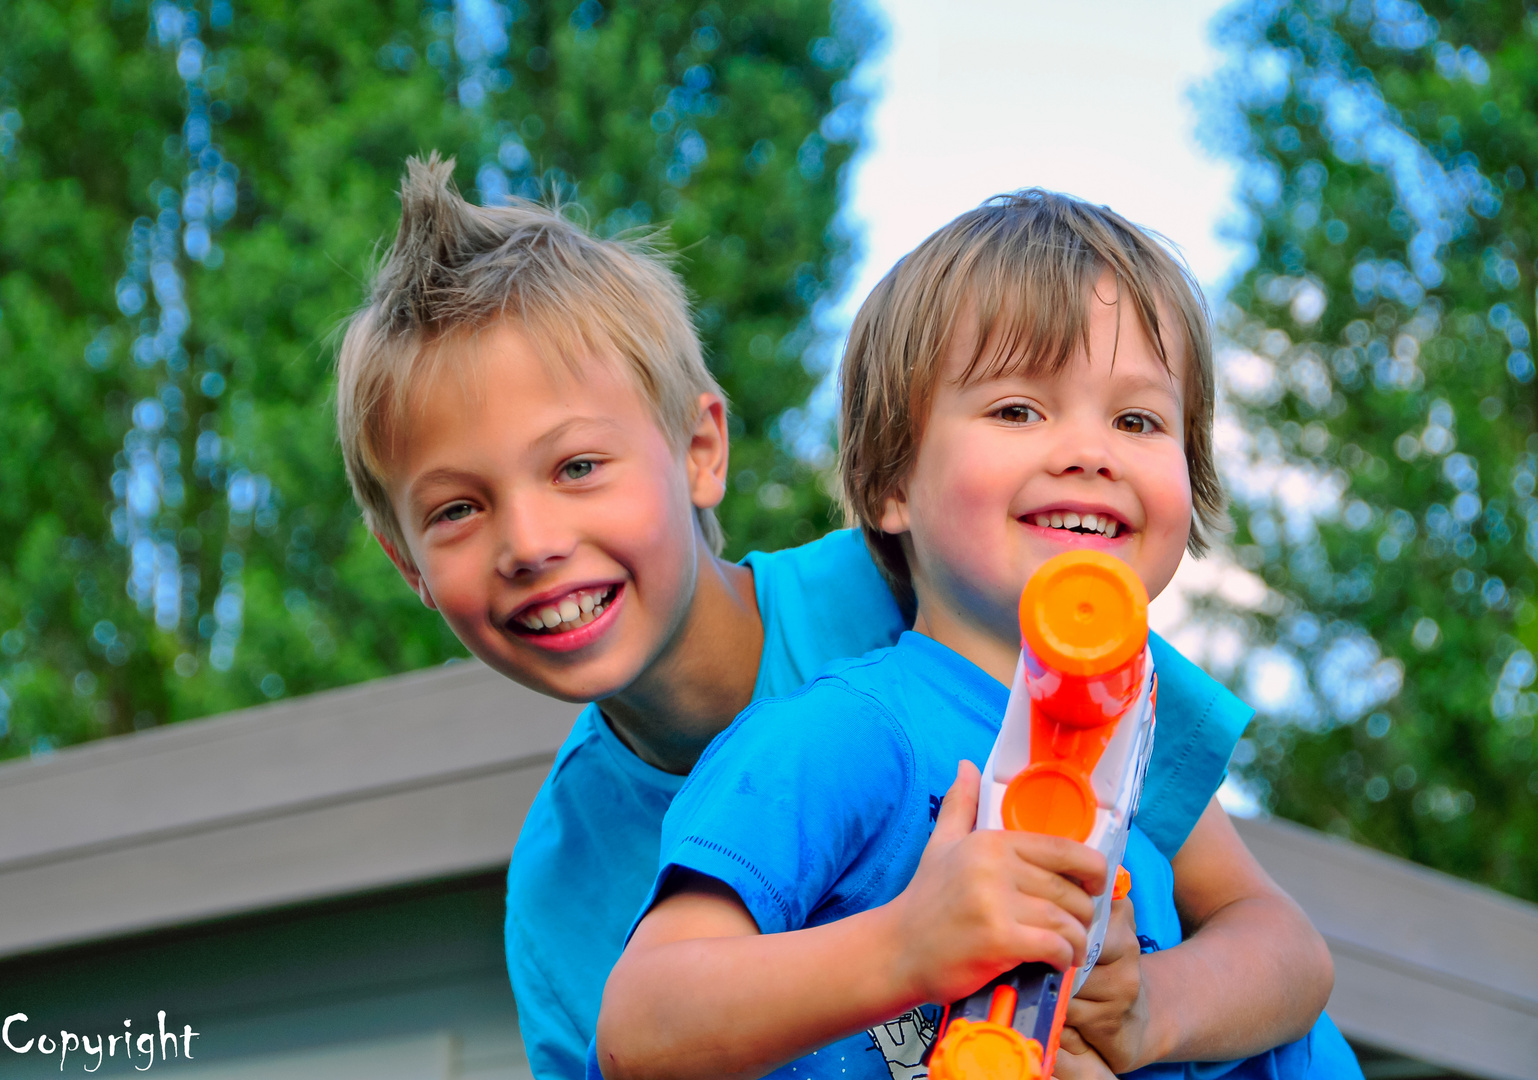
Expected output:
(962, 505)
(1168, 506)
(650, 523)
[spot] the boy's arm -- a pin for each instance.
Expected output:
(699, 992)
(1252, 974)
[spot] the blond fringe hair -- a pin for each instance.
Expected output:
(456, 268)
(1024, 264)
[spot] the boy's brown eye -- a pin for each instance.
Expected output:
(1019, 414)
(1134, 423)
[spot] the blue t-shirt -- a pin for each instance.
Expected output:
(588, 850)
(818, 806)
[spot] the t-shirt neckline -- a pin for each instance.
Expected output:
(972, 676)
(629, 761)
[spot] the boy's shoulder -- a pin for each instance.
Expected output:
(873, 705)
(829, 559)
(850, 694)
(850, 714)
(819, 602)
(791, 804)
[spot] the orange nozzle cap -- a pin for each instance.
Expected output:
(1084, 613)
(1048, 798)
(985, 1051)
(1123, 884)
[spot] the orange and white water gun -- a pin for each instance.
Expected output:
(1069, 761)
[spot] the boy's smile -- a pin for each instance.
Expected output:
(1015, 468)
(548, 517)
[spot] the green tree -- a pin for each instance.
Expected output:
(1384, 365)
(191, 194)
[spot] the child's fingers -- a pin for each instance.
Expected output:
(958, 813)
(1120, 935)
(1057, 870)
(1072, 1041)
(1049, 934)
(1077, 1060)
(1077, 862)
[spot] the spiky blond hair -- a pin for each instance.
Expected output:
(456, 268)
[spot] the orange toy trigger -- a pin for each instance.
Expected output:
(1049, 798)
(1123, 884)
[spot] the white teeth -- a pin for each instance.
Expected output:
(571, 611)
(1103, 524)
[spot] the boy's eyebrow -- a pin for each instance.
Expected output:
(1168, 384)
(565, 426)
(442, 474)
(1125, 382)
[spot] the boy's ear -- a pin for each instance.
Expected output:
(707, 453)
(894, 512)
(408, 571)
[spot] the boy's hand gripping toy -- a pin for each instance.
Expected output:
(1069, 761)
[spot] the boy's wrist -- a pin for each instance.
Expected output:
(1162, 1033)
(891, 943)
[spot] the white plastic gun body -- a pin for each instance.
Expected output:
(1069, 761)
(1117, 781)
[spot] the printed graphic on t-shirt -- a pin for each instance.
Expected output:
(904, 1040)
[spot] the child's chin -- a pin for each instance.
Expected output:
(591, 680)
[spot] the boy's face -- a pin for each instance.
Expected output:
(1016, 469)
(548, 517)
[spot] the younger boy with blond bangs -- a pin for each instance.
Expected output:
(1034, 378)
(533, 436)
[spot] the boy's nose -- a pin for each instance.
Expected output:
(532, 539)
(1081, 450)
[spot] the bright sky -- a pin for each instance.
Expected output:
(980, 97)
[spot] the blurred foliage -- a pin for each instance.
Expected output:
(191, 195)
(1383, 380)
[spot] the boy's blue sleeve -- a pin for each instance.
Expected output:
(787, 799)
(1199, 721)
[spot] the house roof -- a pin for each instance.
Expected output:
(429, 775)
(396, 781)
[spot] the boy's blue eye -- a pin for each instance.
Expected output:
(577, 470)
(456, 512)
